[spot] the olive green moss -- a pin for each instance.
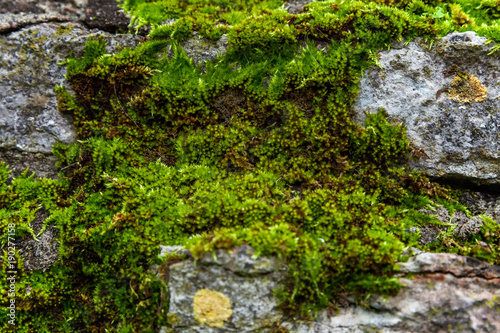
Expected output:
(257, 147)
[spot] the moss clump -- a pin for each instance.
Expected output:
(256, 147)
(459, 17)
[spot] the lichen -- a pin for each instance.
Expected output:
(467, 88)
(211, 308)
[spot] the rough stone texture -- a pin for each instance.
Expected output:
(248, 283)
(412, 84)
(203, 49)
(29, 70)
(428, 233)
(42, 253)
(449, 293)
(478, 202)
(296, 6)
(42, 164)
(100, 14)
(105, 15)
(16, 14)
(445, 293)
(463, 226)
(494, 212)
(470, 227)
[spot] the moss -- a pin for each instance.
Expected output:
(172, 319)
(256, 147)
(64, 29)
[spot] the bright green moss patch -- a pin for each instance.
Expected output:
(257, 147)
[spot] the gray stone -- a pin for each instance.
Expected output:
(30, 123)
(478, 202)
(440, 213)
(106, 16)
(441, 293)
(428, 233)
(494, 212)
(413, 84)
(296, 6)
(203, 49)
(16, 14)
(99, 14)
(459, 218)
(471, 227)
(247, 282)
(447, 293)
(42, 252)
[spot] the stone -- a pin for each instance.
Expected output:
(478, 202)
(441, 292)
(104, 15)
(470, 227)
(447, 96)
(296, 6)
(238, 285)
(30, 68)
(463, 226)
(17, 14)
(447, 293)
(42, 252)
(494, 212)
(428, 233)
(202, 49)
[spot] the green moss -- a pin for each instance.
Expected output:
(256, 147)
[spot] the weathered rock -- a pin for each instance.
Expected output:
(99, 14)
(448, 293)
(478, 202)
(239, 287)
(445, 293)
(494, 212)
(202, 49)
(42, 164)
(439, 94)
(296, 6)
(428, 233)
(30, 122)
(470, 227)
(43, 252)
(463, 226)
(16, 14)
(106, 16)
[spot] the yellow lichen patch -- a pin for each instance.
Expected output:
(467, 88)
(211, 308)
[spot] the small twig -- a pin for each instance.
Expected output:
(67, 166)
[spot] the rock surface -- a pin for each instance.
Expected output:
(439, 94)
(16, 14)
(449, 293)
(463, 226)
(442, 293)
(247, 284)
(43, 252)
(100, 14)
(30, 122)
